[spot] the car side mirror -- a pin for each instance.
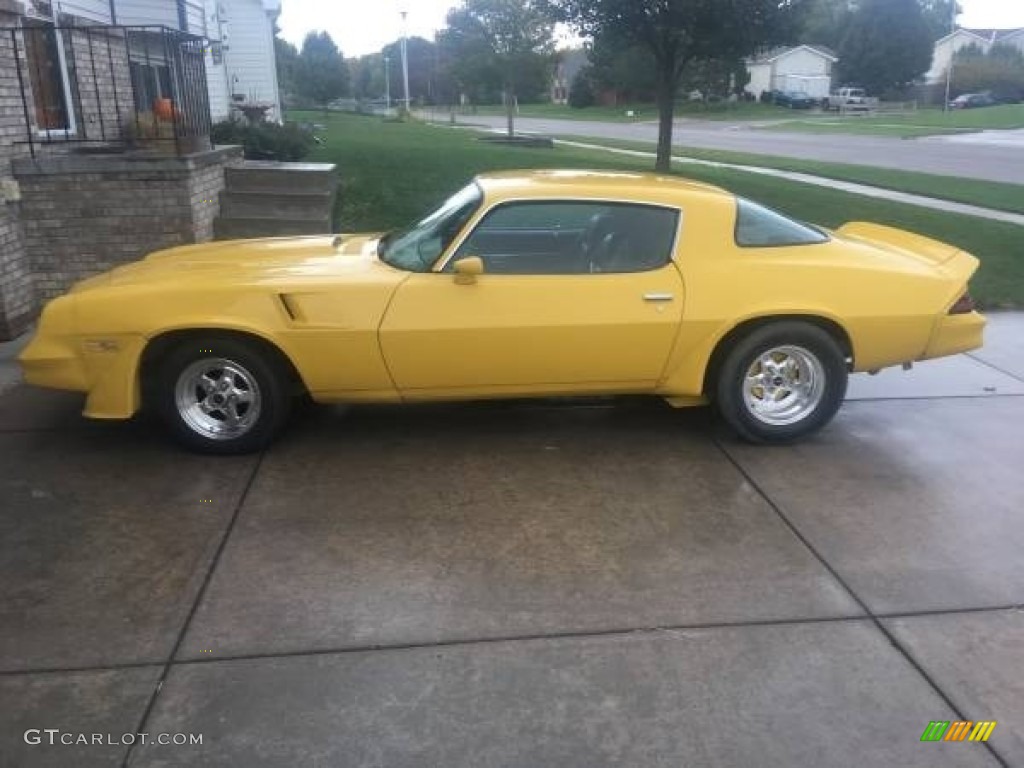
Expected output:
(467, 270)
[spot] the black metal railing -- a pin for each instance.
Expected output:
(110, 87)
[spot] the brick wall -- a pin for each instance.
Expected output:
(17, 298)
(103, 100)
(65, 216)
(86, 214)
(204, 190)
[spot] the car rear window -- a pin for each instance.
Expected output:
(760, 227)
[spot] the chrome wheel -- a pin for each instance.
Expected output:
(217, 398)
(783, 385)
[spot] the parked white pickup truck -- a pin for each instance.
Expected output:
(849, 100)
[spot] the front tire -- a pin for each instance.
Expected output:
(222, 396)
(782, 382)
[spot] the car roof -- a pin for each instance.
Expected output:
(619, 185)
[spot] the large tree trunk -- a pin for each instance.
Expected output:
(666, 112)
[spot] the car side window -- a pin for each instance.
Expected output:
(760, 227)
(571, 237)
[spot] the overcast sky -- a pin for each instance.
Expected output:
(365, 26)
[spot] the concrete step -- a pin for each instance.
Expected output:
(276, 205)
(239, 228)
(268, 176)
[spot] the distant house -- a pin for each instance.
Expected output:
(946, 47)
(806, 68)
(240, 66)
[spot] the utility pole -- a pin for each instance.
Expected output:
(405, 59)
(387, 84)
(952, 54)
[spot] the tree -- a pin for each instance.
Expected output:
(286, 58)
(887, 45)
(715, 77)
(321, 72)
(824, 22)
(581, 89)
(1000, 71)
(423, 59)
(938, 15)
(679, 32)
(504, 39)
(623, 67)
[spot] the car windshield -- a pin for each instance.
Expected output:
(416, 248)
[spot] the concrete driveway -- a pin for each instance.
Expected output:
(990, 156)
(594, 583)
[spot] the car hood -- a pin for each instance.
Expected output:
(246, 261)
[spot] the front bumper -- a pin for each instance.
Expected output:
(104, 366)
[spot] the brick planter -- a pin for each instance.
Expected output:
(83, 214)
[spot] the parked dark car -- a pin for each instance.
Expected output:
(794, 99)
(972, 101)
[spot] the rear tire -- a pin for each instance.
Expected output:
(782, 382)
(222, 396)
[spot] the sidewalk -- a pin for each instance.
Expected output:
(820, 181)
(10, 374)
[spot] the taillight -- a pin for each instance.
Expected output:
(963, 306)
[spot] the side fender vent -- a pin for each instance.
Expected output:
(292, 308)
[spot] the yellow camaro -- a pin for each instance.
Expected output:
(522, 284)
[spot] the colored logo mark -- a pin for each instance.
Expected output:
(960, 730)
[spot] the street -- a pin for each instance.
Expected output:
(989, 158)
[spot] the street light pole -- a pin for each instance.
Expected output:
(387, 83)
(405, 60)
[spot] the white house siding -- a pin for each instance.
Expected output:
(91, 10)
(216, 74)
(962, 38)
(248, 70)
(946, 47)
(800, 69)
(161, 12)
(803, 70)
(1016, 40)
(760, 78)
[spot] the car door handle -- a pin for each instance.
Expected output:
(658, 297)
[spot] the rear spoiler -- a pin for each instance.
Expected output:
(924, 248)
(947, 259)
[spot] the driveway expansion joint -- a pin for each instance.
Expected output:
(874, 618)
(995, 367)
(497, 639)
(214, 561)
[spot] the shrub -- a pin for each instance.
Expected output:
(264, 141)
(581, 91)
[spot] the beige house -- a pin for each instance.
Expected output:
(949, 45)
(806, 68)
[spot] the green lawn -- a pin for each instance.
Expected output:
(987, 194)
(394, 172)
(923, 122)
(642, 112)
